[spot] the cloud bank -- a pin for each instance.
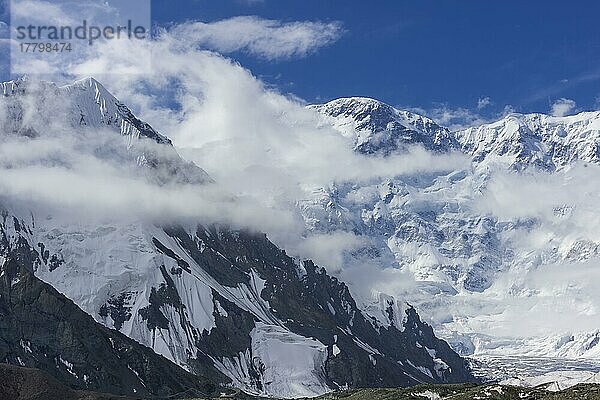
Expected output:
(263, 148)
(264, 38)
(562, 107)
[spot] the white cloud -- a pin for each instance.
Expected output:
(259, 145)
(508, 109)
(330, 249)
(483, 102)
(264, 38)
(461, 118)
(562, 107)
(552, 278)
(38, 11)
(538, 195)
(92, 174)
(453, 118)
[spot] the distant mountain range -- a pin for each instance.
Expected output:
(474, 255)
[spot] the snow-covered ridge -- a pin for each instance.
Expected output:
(376, 127)
(536, 139)
(91, 105)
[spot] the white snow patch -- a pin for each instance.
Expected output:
(222, 312)
(553, 381)
(293, 365)
(365, 346)
(26, 345)
(336, 350)
(289, 365)
(428, 394)
(420, 368)
(68, 365)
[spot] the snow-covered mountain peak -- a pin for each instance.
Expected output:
(85, 102)
(83, 110)
(357, 107)
(92, 88)
(97, 107)
(88, 80)
(378, 128)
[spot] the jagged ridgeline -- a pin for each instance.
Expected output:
(226, 305)
(464, 234)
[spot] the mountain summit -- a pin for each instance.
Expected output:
(378, 128)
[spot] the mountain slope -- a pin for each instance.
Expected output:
(205, 285)
(41, 328)
(208, 296)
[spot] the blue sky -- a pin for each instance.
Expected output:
(433, 55)
(429, 53)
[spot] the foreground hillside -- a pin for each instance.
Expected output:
(464, 392)
(18, 383)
